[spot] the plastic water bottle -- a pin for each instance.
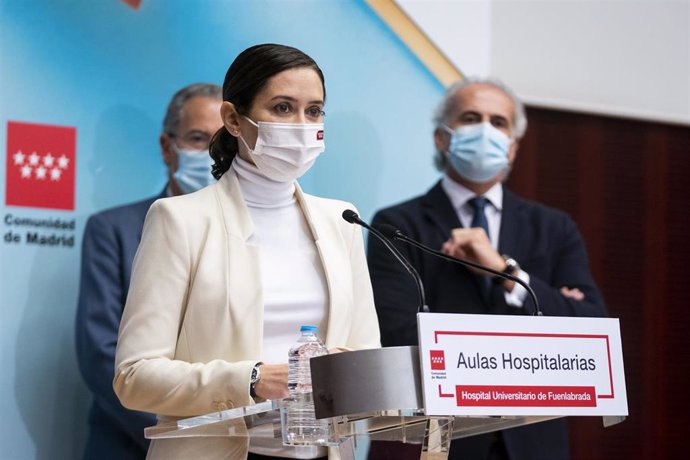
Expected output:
(302, 427)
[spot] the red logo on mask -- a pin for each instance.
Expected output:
(319, 135)
(40, 167)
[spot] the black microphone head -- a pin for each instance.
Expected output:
(350, 216)
(388, 230)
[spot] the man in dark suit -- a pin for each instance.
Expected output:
(110, 241)
(471, 215)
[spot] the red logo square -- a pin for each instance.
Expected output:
(438, 360)
(319, 135)
(41, 163)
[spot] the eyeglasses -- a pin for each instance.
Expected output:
(196, 140)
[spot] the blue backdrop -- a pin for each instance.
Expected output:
(108, 70)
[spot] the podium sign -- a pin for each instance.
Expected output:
(521, 365)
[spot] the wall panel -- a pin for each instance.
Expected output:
(626, 185)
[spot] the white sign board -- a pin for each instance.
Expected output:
(521, 365)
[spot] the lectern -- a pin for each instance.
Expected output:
(373, 394)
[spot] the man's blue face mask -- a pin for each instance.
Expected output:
(193, 169)
(478, 152)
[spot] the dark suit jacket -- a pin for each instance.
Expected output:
(110, 241)
(548, 247)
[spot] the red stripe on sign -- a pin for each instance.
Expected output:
(532, 334)
(441, 394)
(524, 396)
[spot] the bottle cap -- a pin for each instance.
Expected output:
(308, 329)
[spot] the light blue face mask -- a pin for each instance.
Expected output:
(478, 152)
(193, 169)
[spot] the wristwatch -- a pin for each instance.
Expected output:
(254, 379)
(511, 267)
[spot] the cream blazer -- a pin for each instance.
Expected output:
(192, 327)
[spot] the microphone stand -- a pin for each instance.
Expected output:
(352, 217)
(391, 232)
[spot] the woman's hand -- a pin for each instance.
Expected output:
(273, 381)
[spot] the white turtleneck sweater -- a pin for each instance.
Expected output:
(292, 277)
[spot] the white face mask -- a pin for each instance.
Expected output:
(285, 151)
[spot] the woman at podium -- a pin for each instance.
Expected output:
(225, 276)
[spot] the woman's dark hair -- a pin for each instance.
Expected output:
(246, 77)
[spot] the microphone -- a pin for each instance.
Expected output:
(350, 216)
(393, 233)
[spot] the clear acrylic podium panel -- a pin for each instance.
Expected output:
(354, 391)
(263, 420)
